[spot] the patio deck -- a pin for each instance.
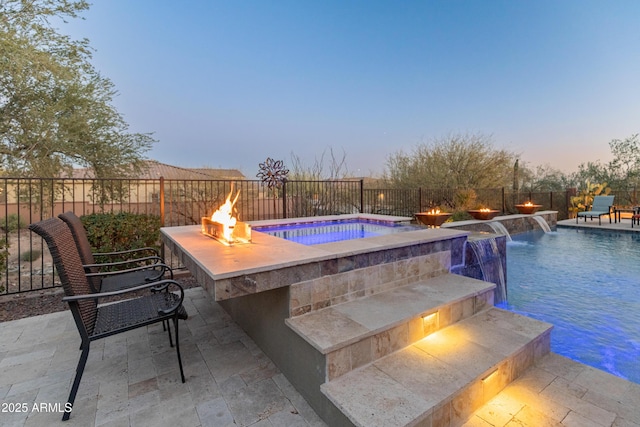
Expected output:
(132, 379)
(623, 225)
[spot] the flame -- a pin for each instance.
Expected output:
(528, 204)
(485, 210)
(224, 216)
(433, 212)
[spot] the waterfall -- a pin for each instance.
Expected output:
(500, 229)
(543, 224)
(490, 263)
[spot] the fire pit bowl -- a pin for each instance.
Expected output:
(528, 208)
(432, 219)
(483, 214)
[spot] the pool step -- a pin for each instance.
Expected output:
(443, 378)
(355, 333)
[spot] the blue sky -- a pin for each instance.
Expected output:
(230, 83)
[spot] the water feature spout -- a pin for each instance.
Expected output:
(499, 228)
(489, 260)
(543, 223)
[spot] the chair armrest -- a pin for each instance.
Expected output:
(164, 267)
(155, 259)
(128, 251)
(159, 285)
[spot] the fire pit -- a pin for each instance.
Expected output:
(528, 208)
(224, 226)
(432, 218)
(483, 214)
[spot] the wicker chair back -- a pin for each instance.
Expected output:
(68, 265)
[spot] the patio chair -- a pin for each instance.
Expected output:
(601, 206)
(121, 275)
(99, 321)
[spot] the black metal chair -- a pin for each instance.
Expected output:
(113, 276)
(99, 321)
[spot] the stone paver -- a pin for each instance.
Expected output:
(560, 392)
(133, 379)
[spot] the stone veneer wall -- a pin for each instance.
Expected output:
(514, 224)
(322, 271)
(325, 291)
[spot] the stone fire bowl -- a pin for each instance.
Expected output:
(483, 215)
(528, 209)
(432, 219)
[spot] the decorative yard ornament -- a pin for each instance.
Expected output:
(273, 173)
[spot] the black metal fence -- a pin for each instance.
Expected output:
(26, 266)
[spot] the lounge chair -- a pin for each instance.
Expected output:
(601, 206)
(94, 321)
(143, 266)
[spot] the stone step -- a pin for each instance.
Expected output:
(443, 378)
(357, 332)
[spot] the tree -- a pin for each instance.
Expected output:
(457, 161)
(55, 109)
(328, 166)
(546, 178)
(590, 172)
(624, 169)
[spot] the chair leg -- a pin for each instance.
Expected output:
(76, 382)
(169, 331)
(175, 323)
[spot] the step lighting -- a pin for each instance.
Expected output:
(430, 323)
(489, 376)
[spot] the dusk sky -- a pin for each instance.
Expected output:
(229, 83)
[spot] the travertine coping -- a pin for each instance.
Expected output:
(270, 262)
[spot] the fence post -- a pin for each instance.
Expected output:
(419, 199)
(504, 201)
(161, 201)
(550, 200)
(162, 254)
(361, 195)
(284, 198)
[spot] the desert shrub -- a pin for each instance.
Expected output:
(465, 199)
(108, 232)
(460, 216)
(12, 222)
(30, 256)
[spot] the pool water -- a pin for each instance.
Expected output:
(587, 284)
(316, 233)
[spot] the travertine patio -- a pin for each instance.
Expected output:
(132, 380)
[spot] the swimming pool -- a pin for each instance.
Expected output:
(585, 283)
(315, 233)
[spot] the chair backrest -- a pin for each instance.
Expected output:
(602, 203)
(84, 247)
(70, 271)
(80, 236)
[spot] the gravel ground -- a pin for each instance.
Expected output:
(29, 304)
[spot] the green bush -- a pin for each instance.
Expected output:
(30, 256)
(109, 232)
(11, 223)
(460, 216)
